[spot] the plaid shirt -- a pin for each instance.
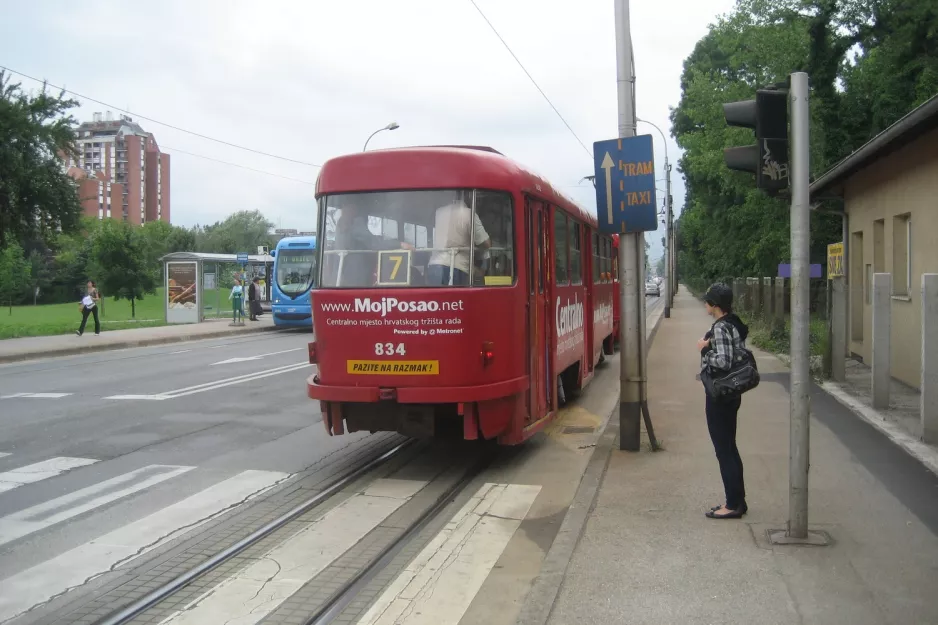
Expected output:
(724, 342)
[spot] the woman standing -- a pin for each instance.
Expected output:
(89, 306)
(726, 337)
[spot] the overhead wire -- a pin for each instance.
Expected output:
(531, 78)
(156, 121)
(260, 171)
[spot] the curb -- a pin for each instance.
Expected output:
(106, 347)
(909, 444)
(539, 602)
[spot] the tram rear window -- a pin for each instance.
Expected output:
(431, 238)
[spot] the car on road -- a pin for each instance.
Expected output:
(652, 288)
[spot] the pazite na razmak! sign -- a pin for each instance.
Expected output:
(625, 185)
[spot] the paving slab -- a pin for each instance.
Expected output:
(648, 555)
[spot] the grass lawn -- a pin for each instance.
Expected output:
(50, 319)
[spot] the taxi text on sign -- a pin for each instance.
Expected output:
(835, 260)
(625, 185)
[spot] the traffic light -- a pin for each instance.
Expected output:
(768, 158)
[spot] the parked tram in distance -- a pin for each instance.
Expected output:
(458, 293)
(295, 274)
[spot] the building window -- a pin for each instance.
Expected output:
(902, 255)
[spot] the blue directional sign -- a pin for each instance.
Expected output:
(625, 185)
(242, 257)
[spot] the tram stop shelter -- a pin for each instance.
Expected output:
(198, 284)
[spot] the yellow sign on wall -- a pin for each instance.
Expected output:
(835, 260)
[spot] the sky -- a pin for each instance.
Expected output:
(310, 80)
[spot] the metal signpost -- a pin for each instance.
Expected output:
(625, 205)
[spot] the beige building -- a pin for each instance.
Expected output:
(889, 189)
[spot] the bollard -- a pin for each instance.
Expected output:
(882, 329)
(929, 387)
(780, 302)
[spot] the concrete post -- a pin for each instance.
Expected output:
(882, 329)
(838, 326)
(751, 295)
(929, 388)
(760, 298)
(739, 295)
(768, 302)
(780, 302)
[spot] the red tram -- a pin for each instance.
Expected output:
(458, 292)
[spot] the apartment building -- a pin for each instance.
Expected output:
(121, 170)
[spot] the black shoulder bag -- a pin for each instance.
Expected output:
(742, 376)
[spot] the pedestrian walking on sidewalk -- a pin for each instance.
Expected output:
(727, 336)
(89, 306)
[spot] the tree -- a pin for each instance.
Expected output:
(120, 262)
(727, 227)
(243, 231)
(37, 197)
(14, 274)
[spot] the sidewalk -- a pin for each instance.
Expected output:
(30, 347)
(648, 555)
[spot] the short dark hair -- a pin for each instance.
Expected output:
(721, 296)
(255, 279)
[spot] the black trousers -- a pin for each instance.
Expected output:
(84, 319)
(721, 421)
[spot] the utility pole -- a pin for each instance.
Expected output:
(631, 259)
(800, 312)
(670, 282)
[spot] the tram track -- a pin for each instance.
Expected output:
(131, 611)
(450, 482)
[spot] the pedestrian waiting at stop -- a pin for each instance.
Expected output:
(236, 297)
(720, 348)
(254, 299)
(89, 306)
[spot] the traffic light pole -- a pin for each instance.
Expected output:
(800, 312)
(631, 259)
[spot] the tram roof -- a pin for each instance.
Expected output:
(438, 167)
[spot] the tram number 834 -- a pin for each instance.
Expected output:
(389, 349)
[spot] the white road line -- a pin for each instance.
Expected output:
(141, 397)
(79, 565)
(39, 471)
(255, 357)
(3, 454)
(437, 587)
(36, 395)
(256, 591)
(181, 351)
(41, 516)
(211, 386)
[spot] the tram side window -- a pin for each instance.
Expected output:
(597, 252)
(576, 267)
(607, 261)
(560, 248)
(495, 266)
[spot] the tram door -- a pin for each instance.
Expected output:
(539, 344)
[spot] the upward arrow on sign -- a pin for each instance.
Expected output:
(607, 165)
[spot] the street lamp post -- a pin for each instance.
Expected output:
(669, 246)
(391, 126)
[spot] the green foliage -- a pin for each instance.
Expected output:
(870, 62)
(242, 231)
(121, 262)
(37, 198)
(15, 274)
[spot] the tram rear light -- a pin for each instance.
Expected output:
(312, 352)
(488, 353)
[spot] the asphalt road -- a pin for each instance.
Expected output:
(90, 445)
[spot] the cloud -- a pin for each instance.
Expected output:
(311, 80)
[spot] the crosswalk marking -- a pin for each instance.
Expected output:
(41, 516)
(36, 395)
(437, 587)
(73, 568)
(256, 591)
(40, 471)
